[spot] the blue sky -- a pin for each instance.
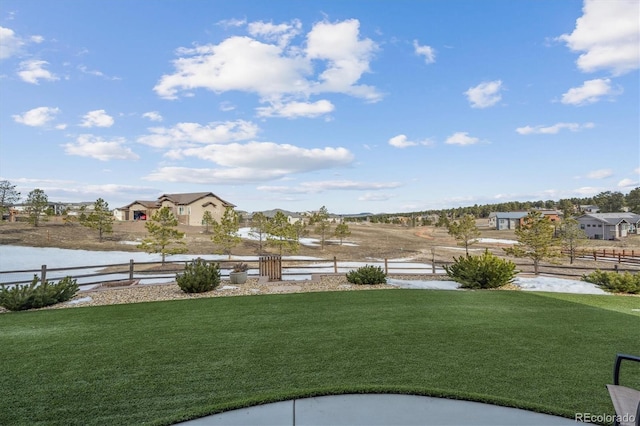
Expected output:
(359, 106)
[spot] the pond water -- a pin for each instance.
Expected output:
(14, 258)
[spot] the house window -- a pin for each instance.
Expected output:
(180, 210)
(600, 226)
(582, 226)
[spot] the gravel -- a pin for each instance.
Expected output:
(171, 291)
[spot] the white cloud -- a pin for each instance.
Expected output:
(628, 183)
(96, 73)
(600, 174)
(428, 52)
(552, 130)
(229, 23)
(374, 197)
(608, 33)
(347, 58)
(485, 94)
(283, 158)
(280, 33)
(186, 134)
(273, 69)
(253, 162)
(33, 70)
(237, 63)
(296, 109)
(335, 185)
(226, 106)
(461, 138)
(401, 141)
(590, 92)
(97, 118)
(153, 115)
(37, 117)
(95, 147)
(587, 191)
(10, 43)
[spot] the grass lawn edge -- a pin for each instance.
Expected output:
(329, 391)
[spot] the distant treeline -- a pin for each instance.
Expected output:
(605, 202)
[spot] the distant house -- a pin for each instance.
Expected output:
(292, 217)
(138, 210)
(589, 208)
(55, 208)
(505, 220)
(188, 208)
(513, 220)
(609, 226)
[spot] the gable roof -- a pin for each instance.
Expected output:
(511, 215)
(190, 198)
(613, 218)
(146, 203)
(272, 213)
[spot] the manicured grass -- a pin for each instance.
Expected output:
(163, 362)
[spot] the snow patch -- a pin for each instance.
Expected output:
(86, 299)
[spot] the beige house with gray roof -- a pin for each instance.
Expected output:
(188, 208)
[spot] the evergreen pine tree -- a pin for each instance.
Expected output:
(37, 204)
(207, 221)
(322, 225)
(282, 234)
(101, 219)
(342, 231)
(164, 237)
(225, 233)
(465, 231)
(259, 226)
(535, 240)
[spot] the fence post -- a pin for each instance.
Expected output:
(595, 256)
(43, 274)
(131, 270)
(433, 260)
(271, 267)
(335, 265)
(619, 258)
(386, 265)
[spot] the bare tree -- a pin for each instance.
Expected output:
(8, 195)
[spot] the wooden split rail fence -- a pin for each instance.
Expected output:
(620, 256)
(275, 268)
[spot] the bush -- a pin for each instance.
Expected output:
(199, 276)
(368, 274)
(35, 295)
(614, 282)
(484, 271)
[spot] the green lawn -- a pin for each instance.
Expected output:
(163, 362)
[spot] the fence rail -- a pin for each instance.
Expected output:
(620, 256)
(277, 268)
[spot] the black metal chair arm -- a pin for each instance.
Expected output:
(616, 367)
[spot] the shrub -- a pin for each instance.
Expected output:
(240, 267)
(199, 276)
(37, 295)
(484, 271)
(614, 282)
(367, 274)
